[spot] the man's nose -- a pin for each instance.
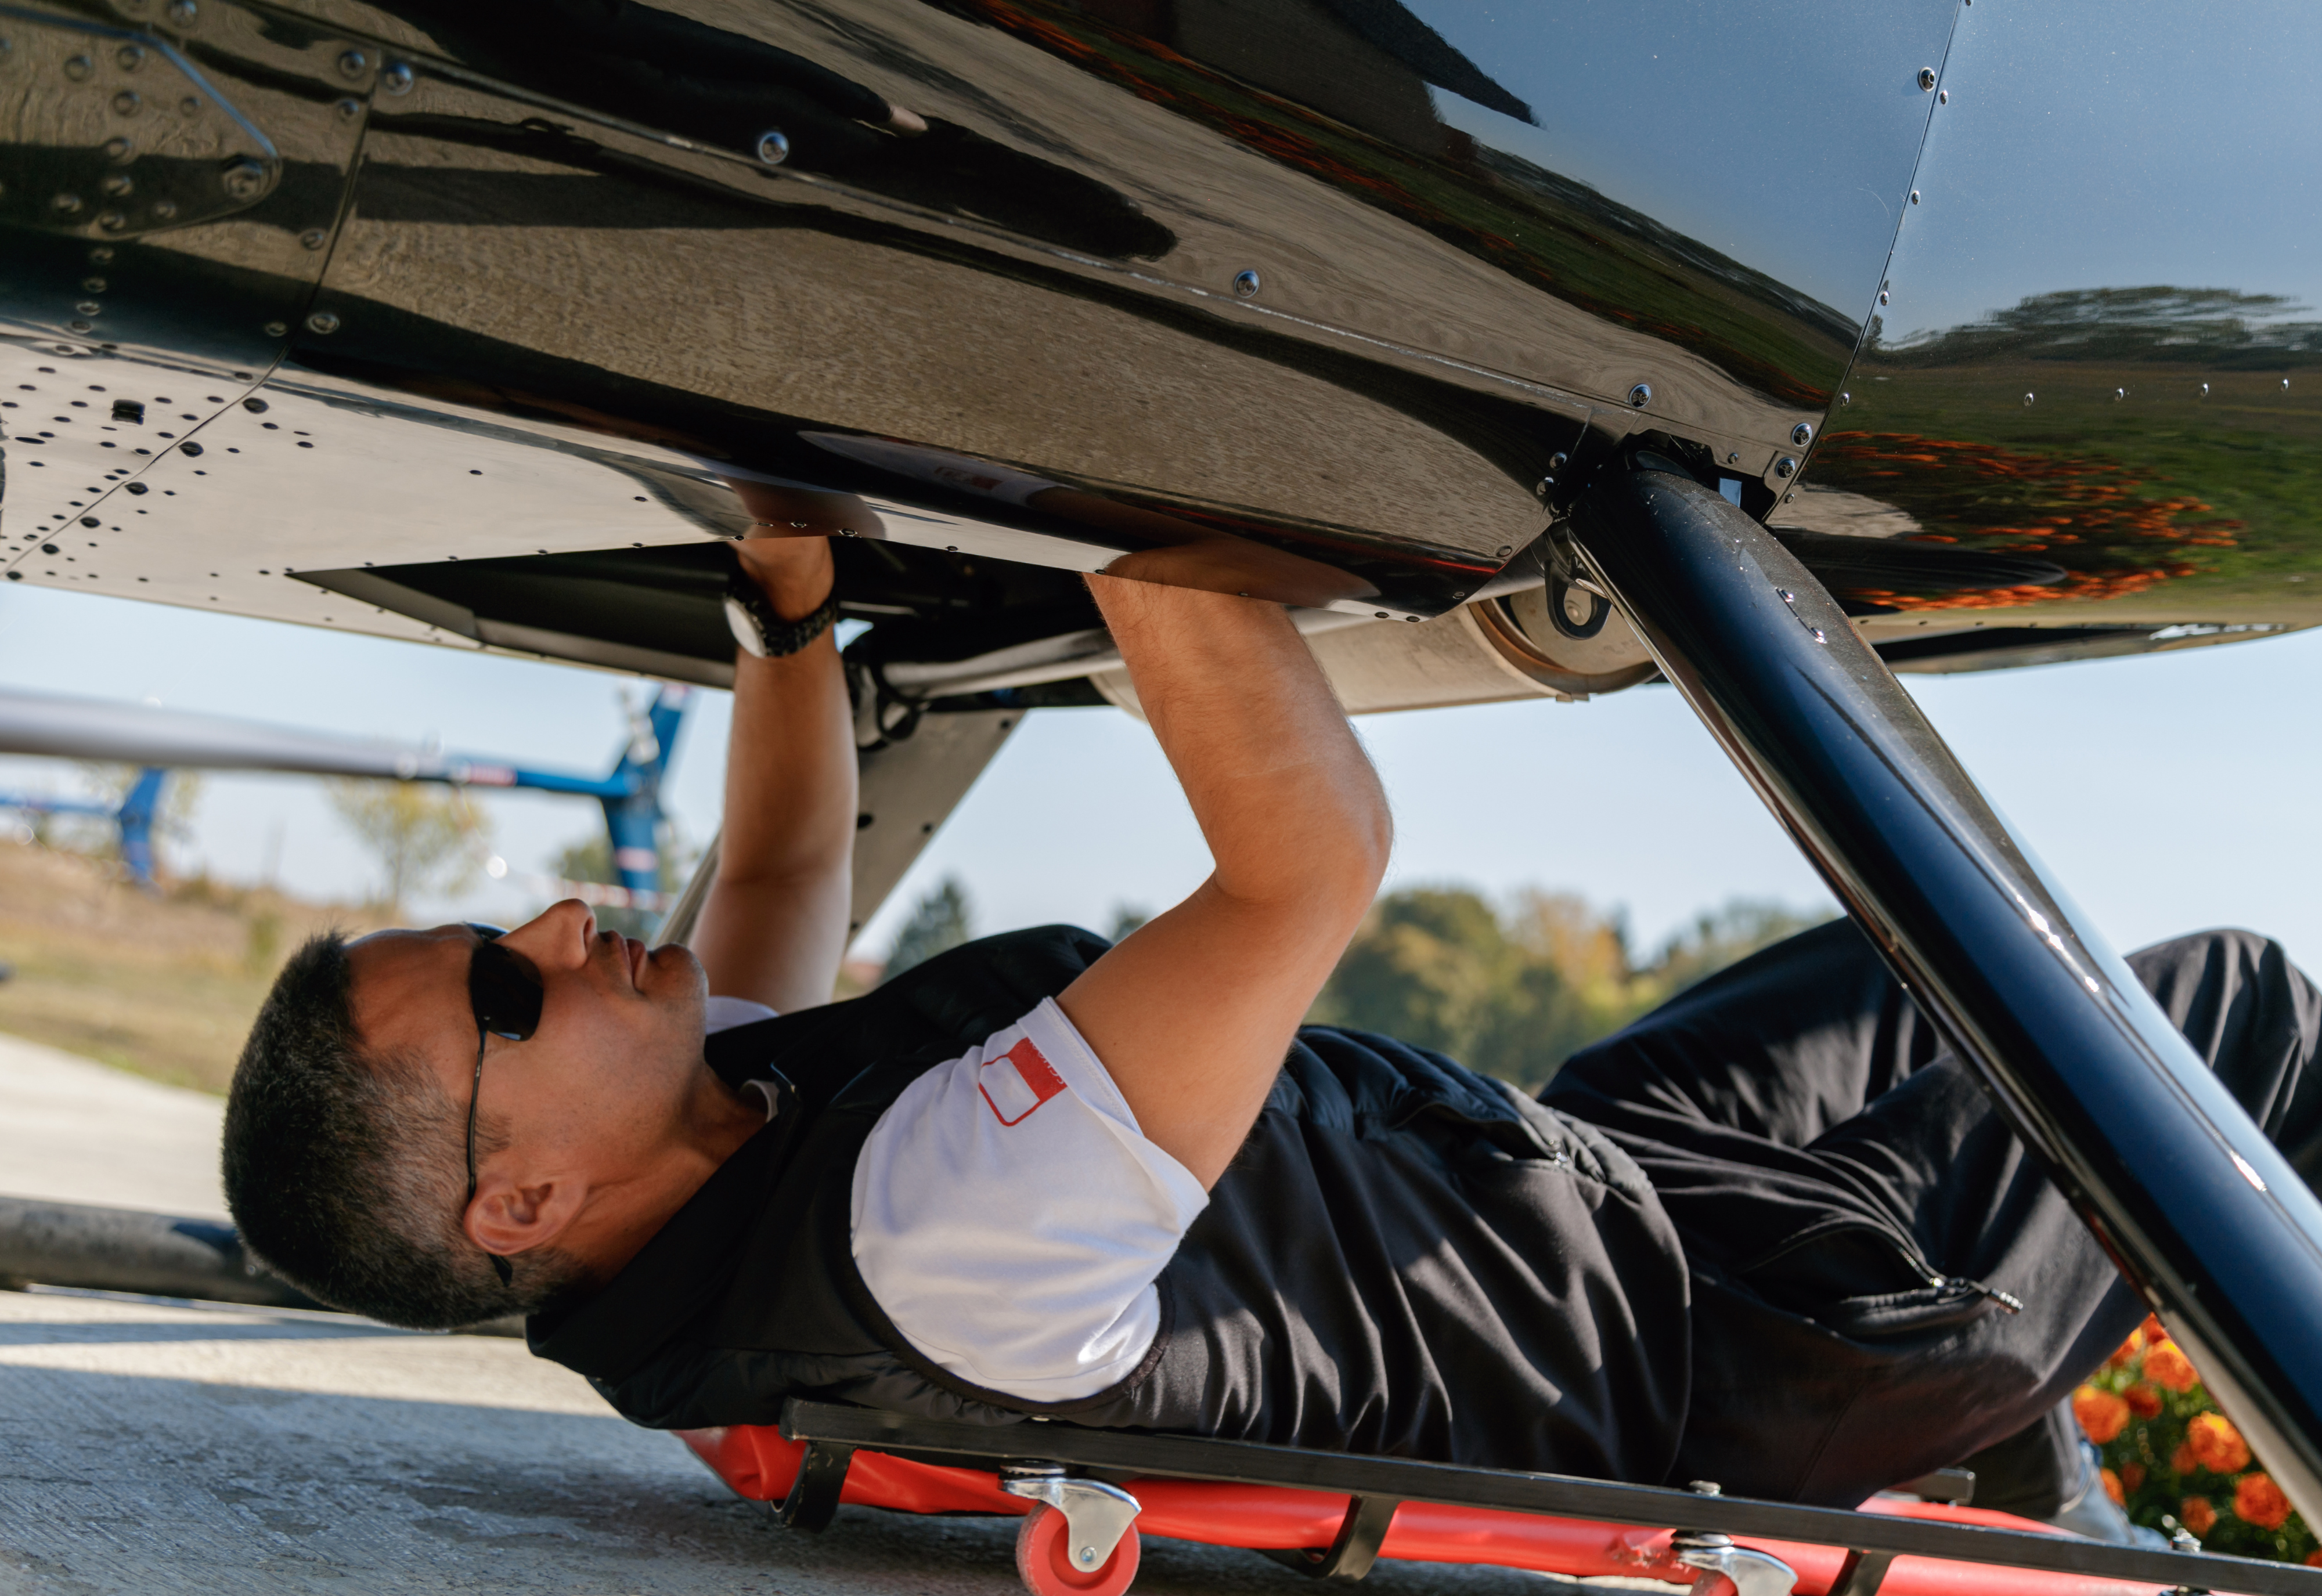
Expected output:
(557, 938)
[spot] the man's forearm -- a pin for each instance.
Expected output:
(775, 924)
(1193, 1013)
(1282, 789)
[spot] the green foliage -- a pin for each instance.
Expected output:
(2172, 1459)
(1515, 993)
(941, 922)
(425, 837)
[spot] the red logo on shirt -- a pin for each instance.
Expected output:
(1018, 1082)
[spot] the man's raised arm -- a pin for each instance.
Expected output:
(1193, 1014)
(774, 927)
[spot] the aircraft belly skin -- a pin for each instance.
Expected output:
(1330, 304)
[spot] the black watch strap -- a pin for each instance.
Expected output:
(760, 631)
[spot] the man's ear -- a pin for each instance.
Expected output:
(510, 1216)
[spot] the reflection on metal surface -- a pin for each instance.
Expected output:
(2094, 316)
(997, 291)
(116, 137)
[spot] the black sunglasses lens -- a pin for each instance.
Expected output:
(505, 991)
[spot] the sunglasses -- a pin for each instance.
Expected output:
(505, 992)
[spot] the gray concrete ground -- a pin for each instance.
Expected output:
(76, 1131)
(150, 1446)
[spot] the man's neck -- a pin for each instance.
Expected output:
(625, 1214)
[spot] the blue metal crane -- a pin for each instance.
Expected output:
(159, 740)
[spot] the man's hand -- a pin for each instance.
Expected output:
(775, 924)
(1192, 1014)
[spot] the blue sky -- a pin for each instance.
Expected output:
(2169, 792)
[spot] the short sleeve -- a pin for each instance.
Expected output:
(1010, 1218)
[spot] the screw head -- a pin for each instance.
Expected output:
(1555, 461)
(242, 178)
(164, 209)
(774, 147)
(1641, 395)
(1246, 284)
(1802, 434)
(1504, 551)
(127, 103)
(1786, 467)
(323, 321)
(80, 69)
(396, 78)
(184, 12)
(119, 150)
(1915, 196)
(2027, 399)
(1844, 399)
(313, 238)
(348, 109)
(1087, 1556)
(114, 184)
(353, 64)
(1926, 78)
(1882, 295)
(1944, 96)
(277, 329)
(130, 57)
(88, 308)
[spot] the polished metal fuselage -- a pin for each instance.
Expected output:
(1332, 301)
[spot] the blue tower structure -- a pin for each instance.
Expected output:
(158, 740)
(134, 816)
(629, 794)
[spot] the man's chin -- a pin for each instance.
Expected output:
(674, 976)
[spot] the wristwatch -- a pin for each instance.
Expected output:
(760, 631)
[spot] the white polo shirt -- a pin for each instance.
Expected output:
(1009, 1216)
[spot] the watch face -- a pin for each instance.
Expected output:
(744, 627)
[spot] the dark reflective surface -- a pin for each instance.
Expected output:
(1300, 300)
(2113, 273)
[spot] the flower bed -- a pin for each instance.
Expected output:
(2172, 1459)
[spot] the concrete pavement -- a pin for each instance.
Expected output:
(75, 1131)
(146, 1447)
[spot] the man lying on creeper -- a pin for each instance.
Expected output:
(1772, 1235)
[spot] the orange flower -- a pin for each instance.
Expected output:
(2113, 1488)
(2142, 1401)
(2151, 1329)
(2259, 1501)
(2216, 1444)
(2128, 1349)
(2170, 1369)
(2132, 1475)
(2197, 1515)
(2101, 1414)
(2314, 1559)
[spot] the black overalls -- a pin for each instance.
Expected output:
(1852, 1206)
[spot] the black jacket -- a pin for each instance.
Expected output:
(1406, 1258)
